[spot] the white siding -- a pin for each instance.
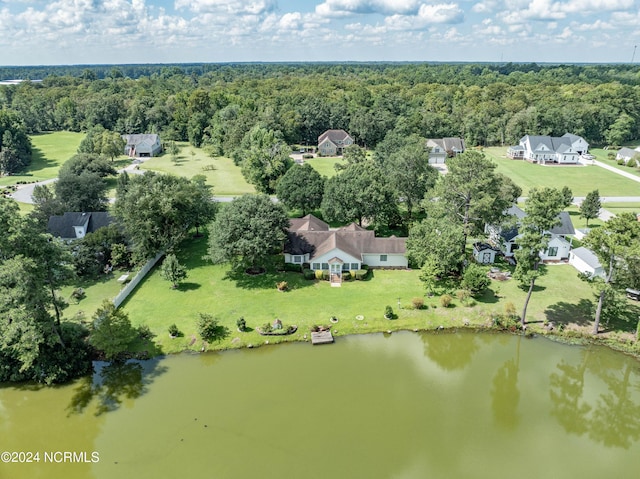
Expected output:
(393, 260)
(562, 252)
(335, 253)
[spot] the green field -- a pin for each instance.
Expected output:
(581, 179)
(325, 165)
(221, 173)
(603, 156)
(211, 289)
(50, 151)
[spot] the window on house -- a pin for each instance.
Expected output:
(297, 259)
(553, 251)
(383, 257)
(345, 266)
(325, 265)
(355, 266)
(316, 265)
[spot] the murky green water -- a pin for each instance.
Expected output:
(404, 406)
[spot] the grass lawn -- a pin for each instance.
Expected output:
(581, 179)
(221, 173)
(603, 156)
(617, 208)
(559, 296)
(50, 151)
(325, 165)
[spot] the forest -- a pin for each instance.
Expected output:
(216, 105)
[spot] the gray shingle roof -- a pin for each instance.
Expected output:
(564, 228)
(306, 237)
(334, 136)
(140, 138)
(587, 256)
(63, 226)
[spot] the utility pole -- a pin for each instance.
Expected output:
(634, 53)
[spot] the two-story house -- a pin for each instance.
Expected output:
(333, 142)
(562, 150)
(442, 148)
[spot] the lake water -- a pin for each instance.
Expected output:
(408, 405)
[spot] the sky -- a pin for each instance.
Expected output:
(39, 32)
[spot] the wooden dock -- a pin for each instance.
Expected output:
(321, 337)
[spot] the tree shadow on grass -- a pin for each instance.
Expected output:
(489, 296)
(267, 280)
(626, 321)
(188, 286)
(566, 313)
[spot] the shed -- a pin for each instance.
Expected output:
(585, 261)
(484, 253)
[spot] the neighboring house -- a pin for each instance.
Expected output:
(333, 142)
(627, 154)
(563, 150)
(443, 148)
(310, 240)
(585, 261)
(484, 253)
(71, 226)
(557, 249)
(142, 145)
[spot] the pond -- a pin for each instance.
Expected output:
(407, 405)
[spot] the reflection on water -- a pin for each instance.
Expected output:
(408, 406)
(611, 417)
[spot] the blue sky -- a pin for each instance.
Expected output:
(36, 32)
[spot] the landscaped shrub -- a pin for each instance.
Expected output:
(266, 327)
(346, 276)
(293, 267)
(361, 274)
(318, 274)
(445, 300)
(78, 294)
(174, 332)
(510, 310)
(282, 286)
(621, 162)
(418, 303)
(388, 312)
(325, 275)
(475, 279)
(309, 274)
(210, 328)
(242, 325)
(144, 332)
(463, 295)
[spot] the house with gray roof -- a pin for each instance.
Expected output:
(627, 154)
(142, 145)
(74, 225)
(442, 148)
(585, 261)
(504, 238)
(311, 240)
(562, 150)
(333, 142)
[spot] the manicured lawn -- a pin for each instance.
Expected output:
(603, 156)
(210, 289)
(325, 165)
(581, 179)
(617, 208)
(221, 173)
(50, 151)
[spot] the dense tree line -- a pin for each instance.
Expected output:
(15, 145)
(216, 106)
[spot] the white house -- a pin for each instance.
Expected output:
(142, 145)
(333, 142)
(310, 240)
(585, 261)
(559, 243)
(442, 148)
(72, 225)
(627, 154)
(563, 150)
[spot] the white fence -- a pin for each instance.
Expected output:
(124, 292)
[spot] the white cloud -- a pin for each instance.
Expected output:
(427, 15)
(338, 8)
(595, 26)
(250, 7)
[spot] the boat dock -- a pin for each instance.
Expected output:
(321, 337)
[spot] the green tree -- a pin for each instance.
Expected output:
(430, 273)
(409, 172)
(210, 329)
(157, 211)
(172, 270)
(45, 204)
(475, 279)
(203, 208)
(567, 196)
(542, 207)
(112, 144)
(248, 231)
(431, 240)
(620, 130)
(472, 194)
(302, 188)
(84, 192)
(616, 245)
(15, 145)
(357, 193)
(352, 154)
(264, 159)
(111, 331)
(590, 207)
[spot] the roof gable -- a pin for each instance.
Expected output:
(335, 136)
